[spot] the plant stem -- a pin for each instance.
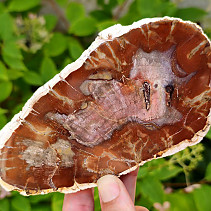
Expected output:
(60, 14)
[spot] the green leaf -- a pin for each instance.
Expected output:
(50, 21)
(108, 5)
(120, 1)
(3, 111)
(2, 7)
(41, 207)
(6, 26)
(147, 7)
(131, 16)
(100, 15)
(191, 13)
(4, 203)
(143, 171)
(62, 3)
(14, 74)
(166, 172)
(21, 203)
(14, 63)
(22, 5)
(57, 201)
(208, 172)
(3, 122)
(18, 107)
(155, 8)
(142, 200)
(181, 201)
(106, 24)
(21, 85)
(96, 199)
(12, 55)
(75, 11)
(75, 48)
(40, 198)
(6, 89)
(57, 44)
(152, 188)
(209, 134)
(14, 193)
(33, 60)
(48, 69)
(33, 78)
(84, 26)
(3, 72)
(167, 8)
(202, 197)
(155, 163)
(66, 62)
(11, 49)
(149, 167)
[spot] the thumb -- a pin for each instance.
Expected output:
(113, 195)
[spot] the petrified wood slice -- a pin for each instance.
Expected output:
(139, 92)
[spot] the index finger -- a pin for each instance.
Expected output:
(80, 201)
(129, 181)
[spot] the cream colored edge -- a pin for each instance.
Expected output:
(105, 35)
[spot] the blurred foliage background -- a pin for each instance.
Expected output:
(38, 38)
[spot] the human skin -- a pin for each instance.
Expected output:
(115, 194)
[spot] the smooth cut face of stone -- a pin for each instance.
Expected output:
(137, 93)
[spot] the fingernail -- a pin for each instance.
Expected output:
(108, 188)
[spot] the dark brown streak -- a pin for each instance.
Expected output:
(169, 90)
(146, 91)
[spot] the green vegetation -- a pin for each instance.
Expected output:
(34, 46)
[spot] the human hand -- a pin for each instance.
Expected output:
(115, 195)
